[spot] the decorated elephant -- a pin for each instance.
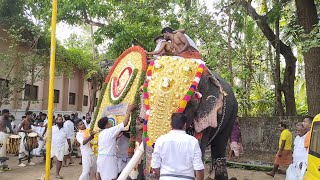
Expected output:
(215, 137)
(185, 85)
(171, 84)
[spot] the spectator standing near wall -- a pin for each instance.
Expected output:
(298, 167)
(307, 122)
(284, 155)
(235, 140)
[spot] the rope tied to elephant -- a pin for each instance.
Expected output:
(220, 124)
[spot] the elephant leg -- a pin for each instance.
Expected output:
(219, 164)
(141, 171)
(149, 172)
(218, 151)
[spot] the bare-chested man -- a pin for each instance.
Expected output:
(180, 44)
(4, 123)
(24, 129)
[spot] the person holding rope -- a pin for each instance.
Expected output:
(107, 160)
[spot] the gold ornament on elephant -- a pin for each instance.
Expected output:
(170, 81)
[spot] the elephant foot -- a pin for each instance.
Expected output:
(220, 169)
(209, 177)
(150, 176)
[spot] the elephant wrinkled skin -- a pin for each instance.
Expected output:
(217, 137)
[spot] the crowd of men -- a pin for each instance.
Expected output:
(112, 145)
(37, 124)
(293, 153)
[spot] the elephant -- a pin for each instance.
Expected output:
(211, 88)
(217, 137)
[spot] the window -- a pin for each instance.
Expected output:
(30, 92)
(4, 87)
(56, 96)
(96, 102)
(85, 100)
(72, 98)
(315, 140)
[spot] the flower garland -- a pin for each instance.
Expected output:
(127, 89)
(95, 145)
(183, 102)
(105, 84)
(146, 103)
(135, 114)
(126, 52)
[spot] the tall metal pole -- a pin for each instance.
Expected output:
(51, 87)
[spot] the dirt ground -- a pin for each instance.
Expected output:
(73, 172)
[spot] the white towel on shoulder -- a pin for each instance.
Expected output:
(191, 42)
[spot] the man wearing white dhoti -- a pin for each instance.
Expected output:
(3, 150)
(59, 138)
(89, 159)
(122, 151)
(177, 155)
(298, 167)
(107, 160)
(25, 128)
(4, 121)
(69, 126)
(39, 130)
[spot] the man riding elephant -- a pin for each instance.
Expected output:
(180, 44)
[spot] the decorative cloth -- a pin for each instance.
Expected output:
(190, 54)
(285, 159)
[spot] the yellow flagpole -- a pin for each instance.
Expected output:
(51, 87)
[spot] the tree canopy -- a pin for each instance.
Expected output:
(265, 49)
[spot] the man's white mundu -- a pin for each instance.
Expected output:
(298, 167)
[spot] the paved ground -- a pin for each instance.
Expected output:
(73, 172)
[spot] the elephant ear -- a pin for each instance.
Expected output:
(203, 84)
(211, 102)
(209, 91)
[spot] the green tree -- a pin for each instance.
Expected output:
(27, 58)
(119, 21)
(308, 19)
(287, 86)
